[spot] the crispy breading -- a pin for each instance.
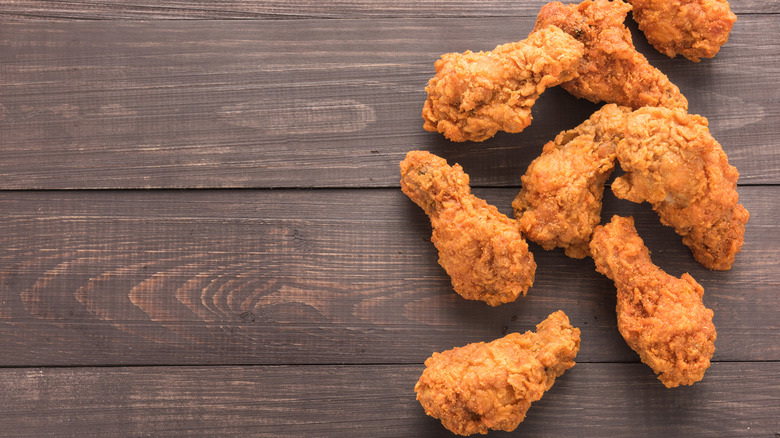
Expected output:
(611, 69)
(484, 386)
(691, 28)
(560, 202)
(480, 248)
(671, 161)
(474, 95)
(661, 317)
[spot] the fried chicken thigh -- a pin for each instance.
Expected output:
(480, 248)
(691, 28)
(560, 202)
(484, 386)
(671, 161)
(661, 317)
(611, 69)
(474, 95)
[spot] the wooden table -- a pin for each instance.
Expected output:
(202, 230)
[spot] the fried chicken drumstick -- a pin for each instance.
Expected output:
(474, 95)
(691, 28)
(560, 202)
(479, 247)
(661, 317)
(671, 161)
(611, 69)
(484, 386)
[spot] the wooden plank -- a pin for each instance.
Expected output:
(313, 277)
(734, 399)
(306, 103)
(235, 9)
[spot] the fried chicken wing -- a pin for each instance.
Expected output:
(484, 386)
(479, 247)
(671, 161)
(661, 317)
(560, 202)
(691, 28)
(611, 69)
(474, 95)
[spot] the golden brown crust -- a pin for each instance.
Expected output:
(611, 69)
(484, 386)
(661, 317)
(671, 161)
(560, 202)
(479, 247)
(474, 95)
(691, 28)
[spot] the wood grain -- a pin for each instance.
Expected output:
(356, 401)
(303, 300)
(306, 103)
(243, 9)
(312, 277)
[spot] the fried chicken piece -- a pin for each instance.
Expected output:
(661, 317)
(560, 202)
(474, 95)
(671, 161)
(491, 385)
(480, 248)
(692, 28)
(611, 69)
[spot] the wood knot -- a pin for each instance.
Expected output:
(247, 317)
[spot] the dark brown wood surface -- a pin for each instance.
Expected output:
(310, 103)
(292, 9)
(202, 231)
(314, 276)
(591, 399)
